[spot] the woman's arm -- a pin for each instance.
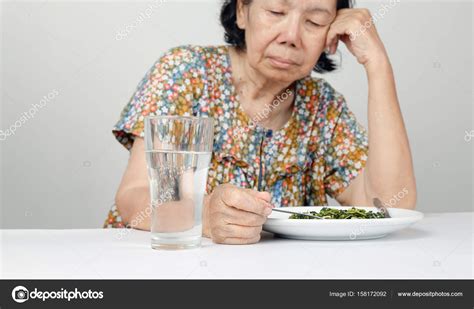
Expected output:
(231, 215)
(389, 168)
(133, 196)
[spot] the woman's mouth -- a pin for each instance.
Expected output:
(281, 62)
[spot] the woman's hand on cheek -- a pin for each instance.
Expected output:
(356, 29)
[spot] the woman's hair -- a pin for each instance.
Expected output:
(236, 36)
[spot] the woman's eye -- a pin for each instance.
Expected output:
(276, 13)
(314, 24)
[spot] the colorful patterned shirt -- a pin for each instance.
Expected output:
(317, 152)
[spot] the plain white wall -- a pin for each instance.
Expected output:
(62, 167)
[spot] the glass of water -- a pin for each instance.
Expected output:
(178, 152)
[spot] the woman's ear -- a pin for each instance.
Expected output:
(242, 10)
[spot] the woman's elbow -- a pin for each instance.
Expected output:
(133, 205)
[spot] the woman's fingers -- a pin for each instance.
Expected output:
(266, 196)
(236, 234)
(346, 21)
(333, 45)
(243, 218)
(240, 241)
(355, 27)
(243, 199)
(337, 29)
(236, 215)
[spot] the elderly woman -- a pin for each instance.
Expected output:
(282, 137)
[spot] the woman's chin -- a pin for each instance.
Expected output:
(282, 75)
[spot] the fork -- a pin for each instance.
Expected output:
(381, 207)
(296, 213)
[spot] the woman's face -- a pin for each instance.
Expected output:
(285, 38)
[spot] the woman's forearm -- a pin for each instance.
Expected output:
(133, 205)
(389, 169)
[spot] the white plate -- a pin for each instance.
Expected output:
(338, 229)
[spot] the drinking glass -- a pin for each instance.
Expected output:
(178, 153)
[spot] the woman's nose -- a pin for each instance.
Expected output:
(290, 32)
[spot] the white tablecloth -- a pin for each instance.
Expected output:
(439, 246)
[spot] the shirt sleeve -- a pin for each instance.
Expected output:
(170, 87)
(347, 147)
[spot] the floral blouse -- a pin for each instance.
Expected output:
(317, 153)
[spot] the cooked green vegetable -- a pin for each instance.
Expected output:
(333, 213)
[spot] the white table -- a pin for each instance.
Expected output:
(440, 246)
